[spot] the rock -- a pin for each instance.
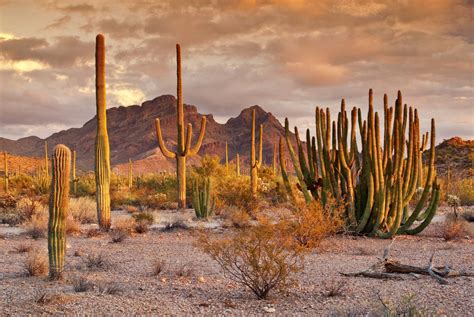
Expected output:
(201, 279)
(269, 310)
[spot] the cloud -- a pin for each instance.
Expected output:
(60, 22)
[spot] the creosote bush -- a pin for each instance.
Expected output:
(262, 258)
(454, 228)
(36, 264)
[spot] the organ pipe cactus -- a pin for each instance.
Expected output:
(183, 149)
(378, 183)
(202, 203)
(58, 209)
(6, 176)
(102, 148)
(255, 163)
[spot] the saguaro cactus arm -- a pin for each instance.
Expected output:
(194, 150)
(161, 143)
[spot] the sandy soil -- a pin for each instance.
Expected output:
(192, 284)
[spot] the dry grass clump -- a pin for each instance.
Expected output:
(157, 267)
(109, 288)
(94, 232)
(118, 236)
(334, 288)
(236, 217)
(81, 284)
(126, 225)
(73, 227)
(23, 248)
(38, 225)
(143, 220)
(454, 228)
(311, 223)
(83, 209)
(36, 264)
(184, 271)
(96, 262)
(263, 258)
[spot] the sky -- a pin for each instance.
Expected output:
(286, 56)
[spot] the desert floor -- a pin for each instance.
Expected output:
(191, 283)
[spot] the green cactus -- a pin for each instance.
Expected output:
(274, 163)
(255, 163)
(226, 157)
(237, 164)
(74, 179)
(6, 176)
(130, 174)
(46, 159)
(183, 149)
(203, 204)
(102, 148)
(58, 209)
(378, 183)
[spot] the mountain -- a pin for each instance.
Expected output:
(457, 155)
(132, 135)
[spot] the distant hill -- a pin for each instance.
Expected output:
(132, 135)
(457, 155)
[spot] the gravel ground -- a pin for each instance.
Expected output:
(192, 284)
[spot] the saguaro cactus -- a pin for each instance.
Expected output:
(274, 163)
(226, 157)
(237, 164)
(6, 176)
(102, 148)
(74, 178)
(255, 163)
(130, 174)
(58, 209)
(183, 148)
(46, 159)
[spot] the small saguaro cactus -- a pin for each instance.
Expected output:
(274, 164)
(255, 163)
(74, 179)
(46, 159)
(130, 174)
(237, 164)
(102, 148)
(58, 209)
(183, 149)
(6, 176)
(226, 157)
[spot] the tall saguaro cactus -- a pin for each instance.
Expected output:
(130, 174)
(74, 178)
(102, 148)
(58, 209)
(183, 149)
(255, 163)
(237, 164)
(46, 160)
(6, 176)
(226, 157)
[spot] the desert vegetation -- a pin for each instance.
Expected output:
(298, 233)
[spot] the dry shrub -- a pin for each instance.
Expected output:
(125, 224)
(109, 288)
(81, 284)
(141, 226)
(144, 216)
(311, 223)
(236, 217)
(23, 248)
(157, 267)
(96, 262)
(184, 271)
(334, 288)
(118, 236)
(38, 226)
(131, 209)
(83, 209)
(454, 228)
(36, 264)
(235, 191)
(94, 232)
(262, 258)
(72, 226)
(41, 297)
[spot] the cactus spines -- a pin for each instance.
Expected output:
(183, 148)
(58, 209)
(6, 176)
(102, 148)
(255, 163)
(130, 174)
(377, 185)
(237, 164)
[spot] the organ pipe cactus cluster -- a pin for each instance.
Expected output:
(6, 176)
(183, 149)
(378, 183)
(102, 148)
(58, 209)
(255, 163)
(202, 203)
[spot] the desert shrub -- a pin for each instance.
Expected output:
(86, 185)
(454, 228)
(461, 187)
(36, 264)
(407, 306)
(83, 209)
(141, 226)
(311, 223)
(131, 209)
(81, 284)
(184, 271)
(334, 288)
(262, 258)
(96, 262)
(23, 248)
(235, 191)
(144, 216)
(94, 232)
(109, 288)
(157, 267)
(73, 227)
(118, 236)
(38, 225)
(236, 217)
(17, 211)
(125, 224)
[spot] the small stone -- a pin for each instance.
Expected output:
(269, 309)
(201, 279)
(163, 279)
